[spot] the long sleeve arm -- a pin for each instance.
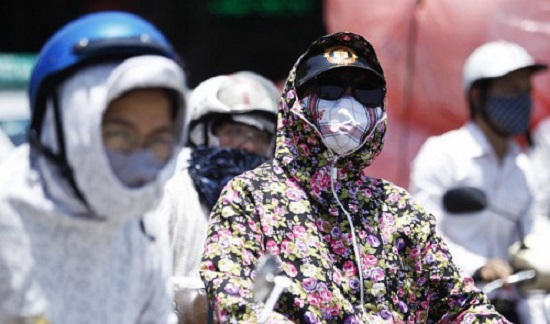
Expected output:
(233, 247)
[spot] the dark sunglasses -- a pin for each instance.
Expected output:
(364, 93)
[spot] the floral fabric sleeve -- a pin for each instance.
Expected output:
(452, 296)
(233, 246)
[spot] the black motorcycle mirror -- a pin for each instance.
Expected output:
(465, 200)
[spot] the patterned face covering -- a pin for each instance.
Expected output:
(509, 116)
(343, 123)
(212, 167)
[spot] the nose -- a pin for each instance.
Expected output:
(348, 91)
(248, 146)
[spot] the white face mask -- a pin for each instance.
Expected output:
(343, 123)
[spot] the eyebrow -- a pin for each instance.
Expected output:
(161, 129)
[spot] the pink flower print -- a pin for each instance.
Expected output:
(325, 295)
(252, 225)
(377, 274)
(312, 141)
(337, 278)
(303, 149)
(302, 246)
(294, 194)
(339, 248)
(285, 247)
(353, 208)
(290, 269)
(290, 95)
(314, 299)
(240, 228)
(232, 289)
(309, 285)
(267, 230)
(207, 266)
(429, 258)
(334, 211)
(310, 318)
(402, 204)
(373, 241)
(320, 181)
(224, 243)
(299, 302)
(367, 193)
(322, 225)
(387, 219)
(277, 169)
(299, 231)
(334, 309)
(369, 261)
(349, 268)
(421, 281)
(424, 304)
(272, 247)
(248, 257)
(442, 256)
(259, 210)
(415, 253)
(224, 233)
(346, 239)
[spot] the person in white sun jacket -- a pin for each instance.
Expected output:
(77, 244)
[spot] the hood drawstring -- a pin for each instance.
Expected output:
(333, 178)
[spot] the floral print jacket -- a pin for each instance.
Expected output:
(287, 208)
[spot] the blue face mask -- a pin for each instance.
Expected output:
(134, 169)
(509, 116)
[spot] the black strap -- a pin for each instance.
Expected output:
(60, 158)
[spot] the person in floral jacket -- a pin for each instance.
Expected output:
(357, 249)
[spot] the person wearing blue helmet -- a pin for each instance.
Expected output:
(78, 242)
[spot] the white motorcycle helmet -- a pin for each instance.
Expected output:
(496, 59)
(244, 97)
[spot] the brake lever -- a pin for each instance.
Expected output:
(511, 279)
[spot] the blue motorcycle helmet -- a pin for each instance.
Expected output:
(107, 36)
(92, 38)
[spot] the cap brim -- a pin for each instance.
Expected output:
(538, 67)
(317, 64)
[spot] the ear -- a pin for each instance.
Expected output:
(474, 97)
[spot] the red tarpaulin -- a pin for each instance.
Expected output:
(422, 46)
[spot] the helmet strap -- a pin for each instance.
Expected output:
(59, 159)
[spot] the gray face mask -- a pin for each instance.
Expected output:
(135, 169)
(509, 116)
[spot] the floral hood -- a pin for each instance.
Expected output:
(299, 143)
